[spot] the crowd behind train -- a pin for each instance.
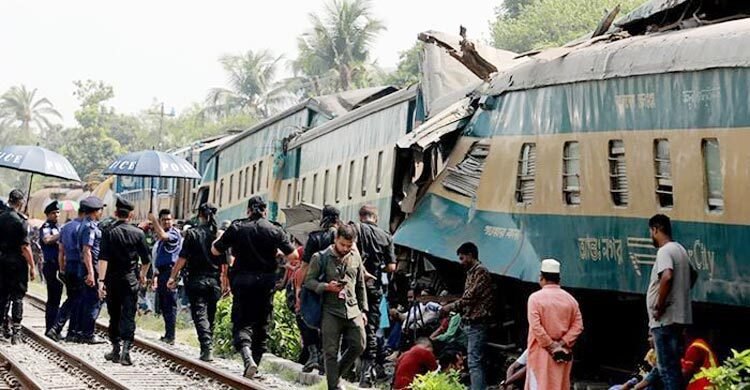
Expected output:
(339, 284)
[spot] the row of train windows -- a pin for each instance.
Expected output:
(312, 196)
(244, 187)
(618, 179)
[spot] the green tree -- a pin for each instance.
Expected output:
(20, 107)
(334, 54)
(90, 149)
(549, 23)
(512, 8)
(252, 87)
(407, 71)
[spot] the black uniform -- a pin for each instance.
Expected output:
(254, 243)
(14, 278)
(122, 245)
(376, 248)
(50, 269)
(202, 283)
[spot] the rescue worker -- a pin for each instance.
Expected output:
(254, 242)
(122, 245)
(48, 241)
(204, 273)
(376, 248)
(316, 242)
(89, 239)
(167, 250)
(72, 272)
(338, 275)
(16, 261)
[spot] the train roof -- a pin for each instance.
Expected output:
(333, 105)
(364, 111)
(721, 45)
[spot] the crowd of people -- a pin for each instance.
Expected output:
(335, 283)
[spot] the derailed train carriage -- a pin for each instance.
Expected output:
(570, 153)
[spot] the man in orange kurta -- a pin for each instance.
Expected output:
(555, 323)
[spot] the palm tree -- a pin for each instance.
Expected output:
(252, 86)
(338, 42)
(19, 107)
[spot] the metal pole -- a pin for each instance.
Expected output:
(28, 195)
(161, 125)
(151, 197)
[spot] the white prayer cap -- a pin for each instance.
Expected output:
(550, 266)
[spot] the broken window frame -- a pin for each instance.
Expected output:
(664, 189)
(526, 174)
(618, 173)
(571, 169)
(712, 174)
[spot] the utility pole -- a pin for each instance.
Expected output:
(161, 114)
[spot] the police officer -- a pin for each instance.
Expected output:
(376, 248)
(16, 261)
(72, 272)
(255, 243)
(48, 240)
(122, 245)
(167, 252)
(204, 273)
(89, 242)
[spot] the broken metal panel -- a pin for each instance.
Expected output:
(649, 9)
(464, 177)
(721, 45)
(445, 122)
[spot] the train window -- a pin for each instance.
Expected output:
(239, 185)
(379, 172)
(526, 174)
(618, 177)
(338, 184)
(571, 173)
(221, 192)
(302, 190)
(714, 179)
(663, 169)
(289, 195)
(315, 189)
(260, 176)
(325, 187)
(252, 182)
(364, 176)
(231, 187)
(247, 180)
(351, 180)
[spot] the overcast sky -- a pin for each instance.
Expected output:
(168, 50)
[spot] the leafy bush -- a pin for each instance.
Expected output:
(435, 380)
(733, 374)
(284, 339)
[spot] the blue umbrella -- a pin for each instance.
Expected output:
(37, 160)
(152, 163)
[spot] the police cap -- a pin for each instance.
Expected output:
(16, 196)
(52, 207)
(256, 203)
(123, 204)
(92, 203)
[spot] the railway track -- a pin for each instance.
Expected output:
(83, 366)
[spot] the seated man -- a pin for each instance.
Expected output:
(515, 377)
(698, 355)
(417, 360)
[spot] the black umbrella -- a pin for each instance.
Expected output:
(152, 163)
(37, 160)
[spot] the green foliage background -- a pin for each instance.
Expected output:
(284, 338)
(733, 374)
(435, 380)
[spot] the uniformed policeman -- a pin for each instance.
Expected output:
(89, 242)
(316, 242)
(167, 252)
(204, 273)
(48, 240)
(255, 243)
(16, 261)
(376, 248)
(72, 272)
(122, 245)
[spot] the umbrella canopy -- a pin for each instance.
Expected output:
(37, 160)
(152, 163)
(301, 220)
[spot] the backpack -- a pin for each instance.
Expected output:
(311, 303)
